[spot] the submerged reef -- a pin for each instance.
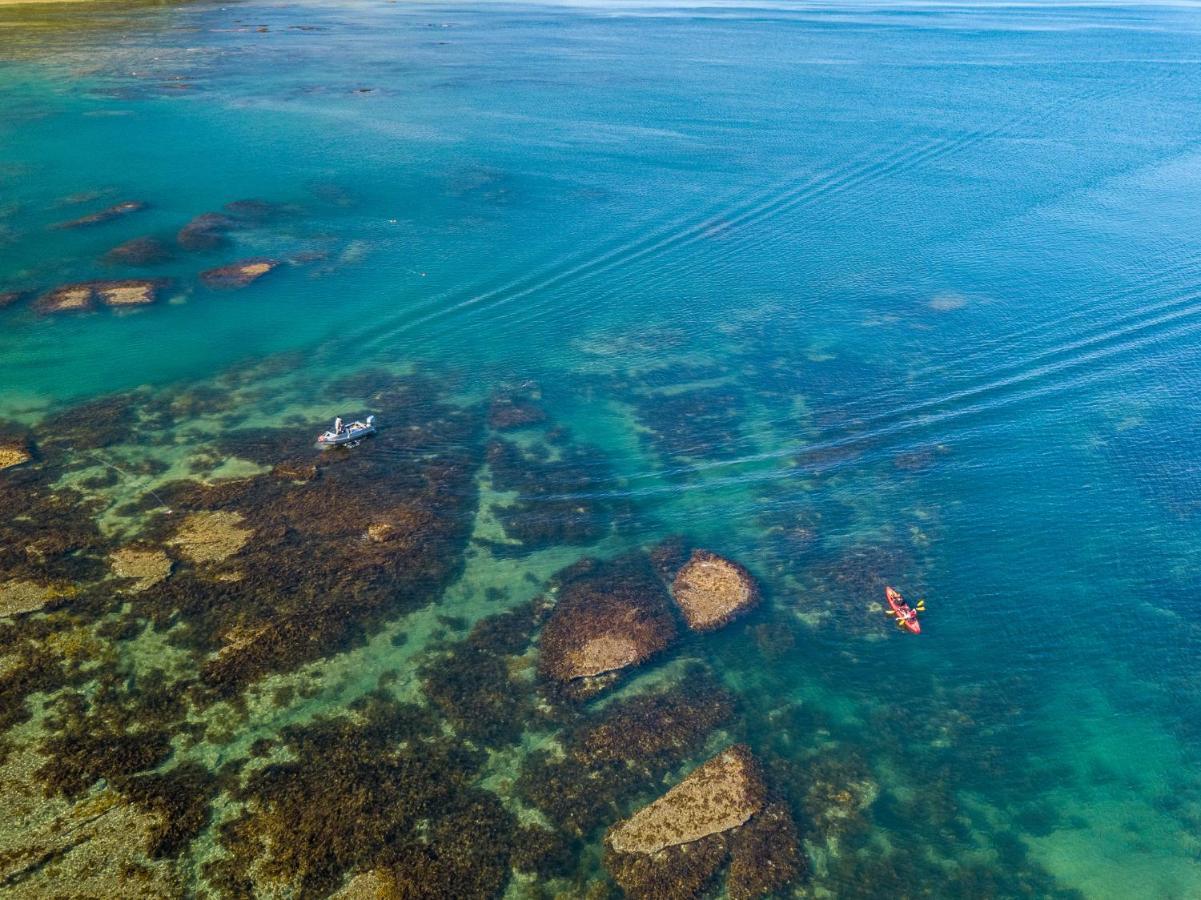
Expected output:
(609, 615)
(557, 498)
(702, 423)
(712, 591)
(623, 752)
(471, 682)
(205, 232)
(379, 789)
(515, 408)
(139, 252)
(116, 211)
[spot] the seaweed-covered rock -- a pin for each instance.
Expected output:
(381, 789)
(139, 252)
(711, 591)
(211, 535)
(512, 409)
(131, 292)
(116, 211)
(557, 499)
(9, 298)
(609, 616)
(679, 872)
(624, 752)
(84, 295)
(765, 854)
(717, 796)
(205, 232)
(239, 274)
(21, 596)
(14, 452)
(143, 567)
(68, 298)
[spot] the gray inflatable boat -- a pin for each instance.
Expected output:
(341, 435)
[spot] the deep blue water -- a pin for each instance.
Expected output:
(938, 266)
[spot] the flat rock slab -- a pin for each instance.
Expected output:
(211, 536)
(146, 567)
(18, 597)
(717, 796)
(712, 591)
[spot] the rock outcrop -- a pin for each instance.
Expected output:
(145, 567)
(14, 452)
(609, 616)
(205, 232)
(719, 795)
(238, 274)
(211, 536)
(712, 591)
(84, 295)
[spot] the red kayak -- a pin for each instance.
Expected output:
(906, 615)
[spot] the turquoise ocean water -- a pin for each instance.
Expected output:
(851, 293)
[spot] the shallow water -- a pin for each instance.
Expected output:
(905, 294)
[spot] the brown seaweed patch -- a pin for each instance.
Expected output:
(557, 498)
(680, 872)
(712, 591)
(380, 789)
(10, 298)
(623, 752)
(719, 795)
(211, 536)
(765, 855)
(116, 211)
(609, 616)
(704, 423)
(178, 799)
(206, 231)
(139, 252)
(239, 274)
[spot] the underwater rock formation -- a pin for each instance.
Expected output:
(704, 423)
(557, 500)
(205, 232)
(680, 872)
(276, 571)
(717, 796)
(518, 408)
(9, 298)
(624, 752)
(609, 616)
(117, 211)
(712, 591)
(84, 295)
(239, 274)
(140, 252)
(765, 854)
